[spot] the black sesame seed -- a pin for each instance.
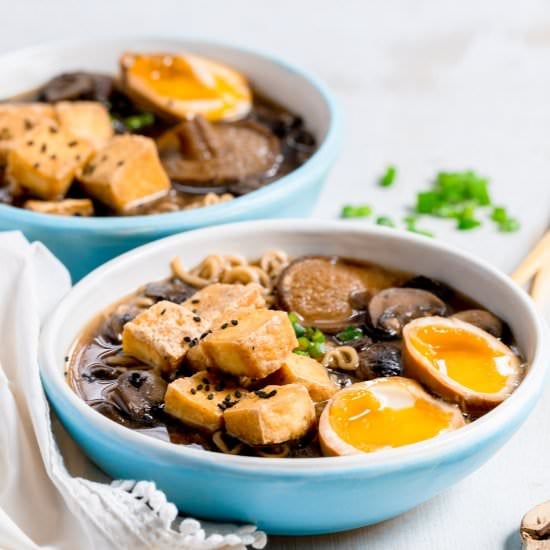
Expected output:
(197, 319)
(43, 148)
(199, 387)
(234, 322)
(66, 358)
(238, 394)
(53, 157)
(53, 130)
(28, 124)
(205, 381)
(224, 326)
(222, 406)
(30, 143)
(187, 339)
(120, 163)
(210, 396)
(265, 395)
(227, 398)
(36, 165)
(193, 391)
(73, 143)
(195, 301)
(163, 311)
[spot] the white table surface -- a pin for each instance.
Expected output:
(427, 85)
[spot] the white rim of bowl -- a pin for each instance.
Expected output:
(524, 396)
(321, 160)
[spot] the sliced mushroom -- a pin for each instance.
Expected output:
(441, 290)
(173, 290)
(80, 85)
(319, 288)
(381, 359)
(482, 319)
(204, 154)
(391, 309)
(535, 528)
(138, 393)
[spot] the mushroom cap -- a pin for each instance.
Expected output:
(391, 309)
(410, 408)
(482, 319)
(322, 289)
(497, 366)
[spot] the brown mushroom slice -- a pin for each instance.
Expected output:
(320, 289)
(460, 362)
(535, 527)
(391, 309)
(482, 319)
(182, 86)
(200, 153)
(383, 413)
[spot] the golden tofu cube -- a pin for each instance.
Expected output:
(162, 334)
(46, 160)
(272, 415)
(87, 120)
(299, 369)
(254, 346)
(220, 300)
(16, 119)
(199, 400)
(66, 207)
(125, 173)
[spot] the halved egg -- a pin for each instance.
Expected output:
(383, 413)
(183, 86)
(460, 362)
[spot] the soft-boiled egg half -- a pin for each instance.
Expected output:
(183, 86)
(460, 362)
(381, 414)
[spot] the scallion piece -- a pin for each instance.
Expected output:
(389, 176)
(349, 334)
(137, 122)
(384, 220)
(360, 211)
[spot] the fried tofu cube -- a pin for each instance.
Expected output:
(299, 369)
(272, 415)
(218, 300)
(162, 334)
(87, 120)
(16, 119)
(199, 400)
(66, 207)
(254, 346)
(46, 161)
(125, 173)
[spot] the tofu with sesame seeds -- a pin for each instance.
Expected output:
(87, 120)
(299, 369)
(46, 160)
(254, 346)
(125, 173)
(16, 119)
(270, 416)
(217, 300)
(200, 400)
(161, 335)
(65, 207)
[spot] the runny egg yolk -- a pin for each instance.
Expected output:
(192, 79)
(386, 415)
(464, 356)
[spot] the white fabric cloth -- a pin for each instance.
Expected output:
(42, 506)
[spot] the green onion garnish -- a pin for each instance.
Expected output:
(350, 333)
(384, 220)
(316, 350)
(509, 225)
(137, 122)
(389, 177)
(360, 211)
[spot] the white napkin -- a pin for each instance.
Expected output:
(41, 505)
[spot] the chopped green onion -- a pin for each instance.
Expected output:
(316, 350)
(465, 224)
(293, 317)
(389, 177)
(318, 336)
(303, 343)
(419, 231)
(350, 333)
(384, 220)
(499, 214)
(510, 225)
(137, 122)
(360, 211)
(301, 352)
(428, 202)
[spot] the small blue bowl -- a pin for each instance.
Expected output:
(295, 496)
(85, 243)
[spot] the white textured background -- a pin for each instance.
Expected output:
(427, 85)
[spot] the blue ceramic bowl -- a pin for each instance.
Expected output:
(294, 496)
(84, 243)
